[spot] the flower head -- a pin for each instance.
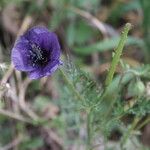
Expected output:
(37, 52)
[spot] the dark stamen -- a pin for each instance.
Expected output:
(38, 56)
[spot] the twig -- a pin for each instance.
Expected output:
(146, 121)
(22, 90)
(7, 75)
(53, 136)
(26, 23)
(14, 116)
(22, 102)
(22, 87)
(100, 25)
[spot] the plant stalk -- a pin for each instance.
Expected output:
(117, 55)
(89, 128)
(130, 130)
(76, 93)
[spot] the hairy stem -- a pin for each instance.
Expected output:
(117, 54)
(76, 93)
(89, 114)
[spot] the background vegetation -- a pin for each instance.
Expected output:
(73, 110)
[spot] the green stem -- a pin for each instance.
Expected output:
(117, 55)
(109, 109)
(130, 130)
(89, 129)
(77, 94)
(143, 123)
(89, 114)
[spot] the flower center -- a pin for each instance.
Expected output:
(38, 56)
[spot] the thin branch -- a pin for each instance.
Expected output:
(22, 102)
(100, 25)
(7, 75)
(146, 121)
(25, 24)
(14, 116)
(104, 28)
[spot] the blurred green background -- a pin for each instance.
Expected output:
(88, 31)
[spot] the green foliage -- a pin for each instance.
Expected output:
(107, 44)
(33, 143)
(141, 108)
(82, 94)
(121, 8)
(6, 133)
(40, 102)
(146, 24)
(109, 107)
(77, 28)
(6, 2)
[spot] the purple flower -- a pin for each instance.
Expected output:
(37, 52)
